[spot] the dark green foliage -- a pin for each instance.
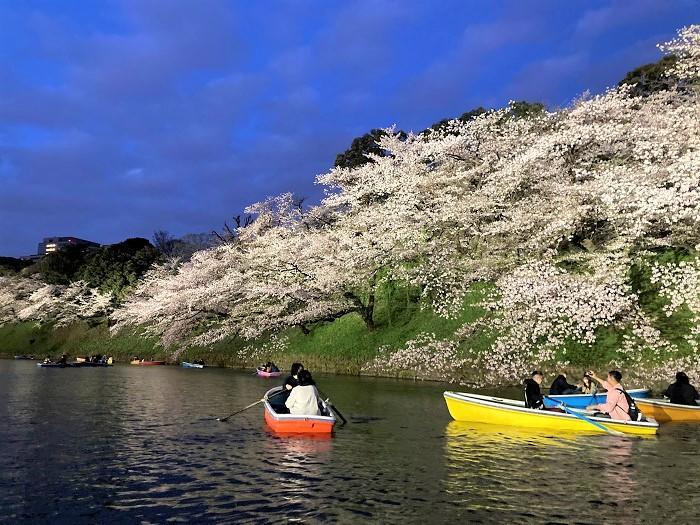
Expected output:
(112, 268)
(10, 265)
(117, 267)
(62, 266)
(521, 109)
(361, 146)
(472, 114)
(524, 109)
(604, 350)
(651, 78)
(444, 124)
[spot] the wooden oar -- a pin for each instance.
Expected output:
(585, 418)
(223, 419)
(333, 408)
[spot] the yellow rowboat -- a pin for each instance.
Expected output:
(664, 411)
(500, 411)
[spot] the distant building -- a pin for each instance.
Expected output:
(54, 244)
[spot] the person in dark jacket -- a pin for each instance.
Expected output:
(682, 392)
(533, 394)
(289, 383)
(293, 379)
(561, 387)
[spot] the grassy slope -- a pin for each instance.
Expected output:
(346, 344)
(77, 339)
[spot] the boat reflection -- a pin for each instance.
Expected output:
(295, 443)
(493, 468)
(460, 434)
(300, 460)
(616, 470)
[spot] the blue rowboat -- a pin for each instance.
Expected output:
(185, 364)
(584, 400)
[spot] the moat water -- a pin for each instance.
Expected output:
(141, 445)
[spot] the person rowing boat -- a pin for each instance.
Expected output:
(269, 367)
(618, 405)
(289, 383)
(304, 398)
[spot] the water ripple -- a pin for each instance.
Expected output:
(134, 445)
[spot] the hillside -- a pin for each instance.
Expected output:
(475, 250)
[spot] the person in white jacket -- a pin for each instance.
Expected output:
(304, 399)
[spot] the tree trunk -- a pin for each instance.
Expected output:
(368, 313)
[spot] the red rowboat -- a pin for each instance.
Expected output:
(143, 362)
(298, 424)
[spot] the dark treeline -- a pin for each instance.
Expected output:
(109, 268)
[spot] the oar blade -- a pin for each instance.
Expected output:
(337, 412)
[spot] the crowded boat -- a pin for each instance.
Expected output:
(92, 361)
(594, 404)
(269, 369)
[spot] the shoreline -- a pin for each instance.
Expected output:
(330, 355)
(655, 386)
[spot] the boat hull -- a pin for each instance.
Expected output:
(73, 365)
(297, 424)
(148, 363)
(499, 411)
(262, 373)
(665, 412)
(585, 400)
(185, 364)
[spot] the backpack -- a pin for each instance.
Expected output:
(634, 412)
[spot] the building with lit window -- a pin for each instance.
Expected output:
(54, 244)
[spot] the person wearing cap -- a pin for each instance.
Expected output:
(533, 394)
(682, 392)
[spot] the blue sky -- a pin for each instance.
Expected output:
(121, 117)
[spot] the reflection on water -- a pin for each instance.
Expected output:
(140, 445)
(493, 470)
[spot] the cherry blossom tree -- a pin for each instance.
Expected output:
(553, 209)
(25, 299)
